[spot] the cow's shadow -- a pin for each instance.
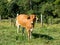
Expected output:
(35, 35)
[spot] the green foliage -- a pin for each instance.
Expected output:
(57, 10)
(36, 0)
(30, 12)
(57, 2)
(9, 8)
(13, 9)
(3, 8)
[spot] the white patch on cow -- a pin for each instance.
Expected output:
(31, 29)
(17, 23)
(31, 22)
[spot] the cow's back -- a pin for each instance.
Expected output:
(22, 19)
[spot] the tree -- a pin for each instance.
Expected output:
(13, 9)
(3, 8)
(57, 8)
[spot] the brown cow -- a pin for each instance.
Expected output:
(27, 22)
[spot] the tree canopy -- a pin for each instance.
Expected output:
(9, 8)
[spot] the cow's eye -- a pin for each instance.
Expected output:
(28, 18)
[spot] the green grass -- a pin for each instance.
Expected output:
(46, 35)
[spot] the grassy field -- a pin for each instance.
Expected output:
(46, 35)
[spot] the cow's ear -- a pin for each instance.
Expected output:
(28, 17)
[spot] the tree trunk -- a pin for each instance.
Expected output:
(0, 17)
(41, 20)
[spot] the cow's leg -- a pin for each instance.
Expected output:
(17, 28)
(17, 24)
(17, 32)
(23, 30)
(29, 34)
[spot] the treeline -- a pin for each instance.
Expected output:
(48, 8)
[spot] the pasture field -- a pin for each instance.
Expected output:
(46, 35)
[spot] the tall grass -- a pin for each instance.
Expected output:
(46, 35)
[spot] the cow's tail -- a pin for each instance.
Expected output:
(17, 14)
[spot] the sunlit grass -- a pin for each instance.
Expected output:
(46, 35)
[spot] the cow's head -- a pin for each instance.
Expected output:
(33, 18)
